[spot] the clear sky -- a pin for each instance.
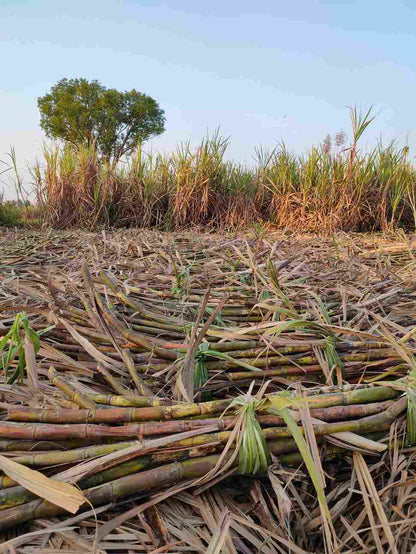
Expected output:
(263, 70)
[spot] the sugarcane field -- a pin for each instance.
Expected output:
(207, 392)
(207, 277)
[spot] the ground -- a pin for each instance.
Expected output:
(267, 305)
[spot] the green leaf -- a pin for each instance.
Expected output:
(411, 417)
(87, 114)
(253, 453)
(16, 346)
(306, 456)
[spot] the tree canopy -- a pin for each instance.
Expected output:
(85, 112)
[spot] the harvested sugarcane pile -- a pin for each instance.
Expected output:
(160, 373)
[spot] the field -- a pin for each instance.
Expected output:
(334, 186)
(207, 392)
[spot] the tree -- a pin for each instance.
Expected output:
(85, 112)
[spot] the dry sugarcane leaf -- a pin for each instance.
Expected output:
(217, 543)
(154, 499)
(30, 359)
(61, 526)
(246, 522)
(62, 494)
(372, 499)
(188, 368)
(283, 500)
(48, 351)
(91, 467)
(89, 347)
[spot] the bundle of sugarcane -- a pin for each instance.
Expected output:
(184, 442)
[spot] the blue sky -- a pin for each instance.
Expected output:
(264, 71)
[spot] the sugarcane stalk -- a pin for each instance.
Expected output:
(39, 459)
(87, 431)
(119, 415)
(151, 479)
(70, 391)
(271, 361)
(181, 411)
(18, 495)
(138, 381)
(370, 424)
(151, 367)
(6, 482)
(117, 387)
(283, 371)
(124, 331)
(55, 432)
(94, 335)
(128, 400)
(158, 332)
(152, 324)
(128, 301)
(361, 394)
(15, 445)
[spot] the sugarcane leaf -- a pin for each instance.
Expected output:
(33, 337)
(19, 371)
(62, 494)
(307, 458)
(322, 307)
(371, 498)
(203, 347)
(46, 330)
(296, 325)
(10, 355)
(253, 453)
(216, 545)
(5, 340)
(218, 318)
(411, 416)
(264, 295)
(224, 356)
(200, 372)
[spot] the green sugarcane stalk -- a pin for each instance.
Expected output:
(14, 445)
(18, 495)
(365, 425)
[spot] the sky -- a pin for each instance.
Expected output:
(263, 71)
